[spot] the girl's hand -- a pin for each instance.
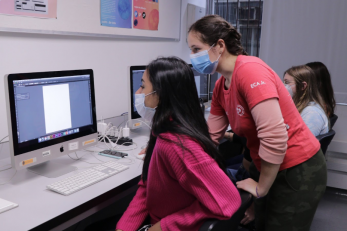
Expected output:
(249, 215)
(155, 227)
(143, 151)
(248, 185)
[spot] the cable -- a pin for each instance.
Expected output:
(3, 139)
(136, 120)
(126, 146)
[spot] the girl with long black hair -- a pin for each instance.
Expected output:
(183, 180)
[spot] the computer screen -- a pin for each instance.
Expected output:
(47, 112)
(136, 73)
(213, 79)
(201, 81)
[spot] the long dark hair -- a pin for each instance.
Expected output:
(211, 28)
(178, 110)
(324, 84)
(302, 96)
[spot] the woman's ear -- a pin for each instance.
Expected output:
(221, 45)
(304, 85)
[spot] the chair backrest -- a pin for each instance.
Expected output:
(325, 140)
(333, 119)
(233, 223)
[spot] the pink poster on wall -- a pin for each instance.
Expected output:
(30, 8)
(146, 14)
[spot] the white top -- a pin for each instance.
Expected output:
(315, 119)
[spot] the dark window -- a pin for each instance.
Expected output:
(246, 16)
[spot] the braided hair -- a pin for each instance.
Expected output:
(211, 28)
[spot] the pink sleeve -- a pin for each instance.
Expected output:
(216, 197)
(217, 126)
(272, 131)
(136, 213)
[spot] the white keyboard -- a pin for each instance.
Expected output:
(86, 178)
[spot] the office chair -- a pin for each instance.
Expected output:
(332, 119)
(233, 223)
(325, 140)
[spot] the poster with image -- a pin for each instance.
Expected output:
(30, 8)
(146, 14)
(116, 13)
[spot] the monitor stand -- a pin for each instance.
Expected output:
(51, 169)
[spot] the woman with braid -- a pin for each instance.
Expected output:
(302, 85)
(254, 101)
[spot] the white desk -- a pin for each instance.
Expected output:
(42, 209)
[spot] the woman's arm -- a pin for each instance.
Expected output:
(137, 211)
(273, 139)
(216, 197)
(217, 126)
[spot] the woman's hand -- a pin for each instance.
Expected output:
(143, 151)
(248, 185)
(156, 227)
(229, 135)
(249, 215)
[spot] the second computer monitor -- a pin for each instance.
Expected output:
(136, 73)
(201, 81)
(213, 79)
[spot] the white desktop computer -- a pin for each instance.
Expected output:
(202, 82)
(50, 114)
(134, 83)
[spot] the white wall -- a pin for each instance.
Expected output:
(299, 31)
(109, 58)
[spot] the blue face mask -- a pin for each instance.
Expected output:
(201, 62)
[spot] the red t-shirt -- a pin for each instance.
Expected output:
(253, 81)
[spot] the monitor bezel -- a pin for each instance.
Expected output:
(133, 113)
(32, 145)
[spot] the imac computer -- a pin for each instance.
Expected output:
(136, 73)
(213, 79)
(201, 81)
(50, 114)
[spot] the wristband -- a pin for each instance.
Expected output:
(256, 191)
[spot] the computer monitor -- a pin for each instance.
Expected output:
(50, 114)
(136, 73)
(201, 81)
(213, 79)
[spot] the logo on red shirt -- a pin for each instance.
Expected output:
(240, 110)
(256, 84)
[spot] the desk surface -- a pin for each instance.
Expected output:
(42, 209)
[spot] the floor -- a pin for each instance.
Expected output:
(331, 214)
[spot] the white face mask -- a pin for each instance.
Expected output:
(289, 88)
(146, 113)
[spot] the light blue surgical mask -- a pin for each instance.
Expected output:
(289, 88)
(202, 63)
(146, 113)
